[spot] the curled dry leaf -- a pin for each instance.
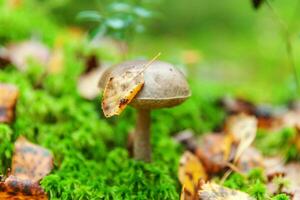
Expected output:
(190, 173)
(14, 188)
(243, 129)
(120, 90)
(212, 191)
(31, 161)
(214, 151)
(8, 99)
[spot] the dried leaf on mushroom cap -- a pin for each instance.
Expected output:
(120, 90)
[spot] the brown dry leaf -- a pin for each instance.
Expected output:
(243, 129)
(4, 59)
(8, 99)
(190, 172)
(251, 158)
(31, 161)
(214, 151)
(120, 90)
(187, 139)
(14, 188)
(30, 164)
(290, 119)
(237, 105)
(212, 191)
(293, 176)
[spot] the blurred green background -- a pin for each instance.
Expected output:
(226, 43)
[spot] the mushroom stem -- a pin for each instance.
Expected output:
(142, 146)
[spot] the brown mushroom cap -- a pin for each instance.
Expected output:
(165, 86)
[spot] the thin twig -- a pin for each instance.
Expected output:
(289, 47)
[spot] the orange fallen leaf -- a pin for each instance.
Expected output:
(8, 99)
(30, 164)
(14, 188)
(120, 90)
(190, 172)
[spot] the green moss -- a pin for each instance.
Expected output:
(281, 197)
(281, 142)
(254, 183)
(6, 147)
(117, 177)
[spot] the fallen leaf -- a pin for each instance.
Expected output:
(4, 59)
(243, 129)
(236, 105)
(87, 84)
(274, 166)
(189, 173)
(14, 188)
(8, 99)
(187, 195)
(31, 161)
(214, 151)
(187, 138)
(120, 90)
(290, 119)
(212, 191)
(251, 158)
(293, 176)
(20, 53)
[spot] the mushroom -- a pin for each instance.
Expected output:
(164, 86)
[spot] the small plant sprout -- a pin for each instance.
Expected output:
(161, 85)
